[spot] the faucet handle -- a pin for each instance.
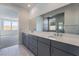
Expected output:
(55, 34)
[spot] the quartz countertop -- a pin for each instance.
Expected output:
(65, 38)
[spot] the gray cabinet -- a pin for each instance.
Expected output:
(58, 52)
(23, 38)
(33, 44)
(26, 40)
(33, 41)
(43, 49)
(44, 40)
(63, 49)
(33, 49)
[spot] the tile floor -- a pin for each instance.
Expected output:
(16, 50)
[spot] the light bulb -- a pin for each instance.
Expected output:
(28, 5)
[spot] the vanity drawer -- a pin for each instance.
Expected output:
(44, 40)
(74, 50)
(58, 52)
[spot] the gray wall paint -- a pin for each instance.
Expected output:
(71, 18)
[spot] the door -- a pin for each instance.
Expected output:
(8, 32)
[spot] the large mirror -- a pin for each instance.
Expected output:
(54, 23)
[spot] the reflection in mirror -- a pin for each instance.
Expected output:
(45, 25)
(72, 29)
(60, 27)
(52, 24)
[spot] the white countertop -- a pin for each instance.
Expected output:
(65, 38)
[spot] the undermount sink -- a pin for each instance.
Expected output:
(52, 37)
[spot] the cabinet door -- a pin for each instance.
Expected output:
(26, 41)
(33, 44)
(57, 52)
(44, 40)
(43, 49)
(72, 49)
(23, 38)
(33, 49)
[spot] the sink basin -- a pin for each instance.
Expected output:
(52, 37)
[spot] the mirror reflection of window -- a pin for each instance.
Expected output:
(60, 26)
(52, 24)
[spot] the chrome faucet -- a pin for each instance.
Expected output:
(57, 34)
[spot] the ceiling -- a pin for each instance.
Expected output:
(42, 8)
(24, 5)
(40, 5)
(36, 9)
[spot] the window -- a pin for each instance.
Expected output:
(6, 25)
(0, 25)
(52, 24)
(14, 25)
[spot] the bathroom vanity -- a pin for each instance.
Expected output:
(59, 35)
(45, 46)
